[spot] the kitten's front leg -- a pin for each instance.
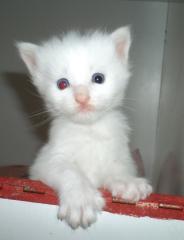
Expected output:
(130, 188)
(122, 180)
(79, 200)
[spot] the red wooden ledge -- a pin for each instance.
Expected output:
(155, 206)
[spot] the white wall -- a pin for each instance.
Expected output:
(171, 111)
(35, 20)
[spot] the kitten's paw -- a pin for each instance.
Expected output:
(81, 208)
(131, 190)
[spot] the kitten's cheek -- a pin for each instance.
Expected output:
(68, 107)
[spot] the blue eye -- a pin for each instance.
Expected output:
(98, 78)
(63, 83)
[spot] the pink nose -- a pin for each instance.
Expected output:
(81, 94)
(82, 98)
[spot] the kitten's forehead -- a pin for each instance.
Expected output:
(77, 64)
(86, 48)
(78, 56)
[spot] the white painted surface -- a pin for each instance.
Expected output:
(30, 221)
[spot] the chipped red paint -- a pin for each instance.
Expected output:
(26, 190)
(156, 205)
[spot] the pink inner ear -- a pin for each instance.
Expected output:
(31, 60)
(120, 48)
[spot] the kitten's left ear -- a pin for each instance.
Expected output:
(28, 53)
(122, 40)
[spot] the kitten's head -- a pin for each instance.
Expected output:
(81, 77)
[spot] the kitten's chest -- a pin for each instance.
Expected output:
(83, 142)
(92, 148)
(91, 151)
(84, 145)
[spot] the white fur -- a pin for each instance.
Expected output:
(86, 149)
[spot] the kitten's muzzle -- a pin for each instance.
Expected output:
(81, 94)
(82, 98)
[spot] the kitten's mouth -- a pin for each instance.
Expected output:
(86, 108)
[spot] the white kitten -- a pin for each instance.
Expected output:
(82, 79)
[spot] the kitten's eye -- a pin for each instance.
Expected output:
(63, 83)
(98, 78)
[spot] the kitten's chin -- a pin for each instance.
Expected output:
(82, 115)
(85, 117)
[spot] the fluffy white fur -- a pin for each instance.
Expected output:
(87, 147)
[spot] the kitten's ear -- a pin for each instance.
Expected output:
(122, 40)
(28, 53)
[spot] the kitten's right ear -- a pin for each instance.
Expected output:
(122, 40)
(28, 53)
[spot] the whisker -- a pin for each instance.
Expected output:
(49, 119)
(34, 94)
(129, 108)
(36, 114)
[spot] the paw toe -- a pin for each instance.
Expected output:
(132, 190)
(89, 216)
